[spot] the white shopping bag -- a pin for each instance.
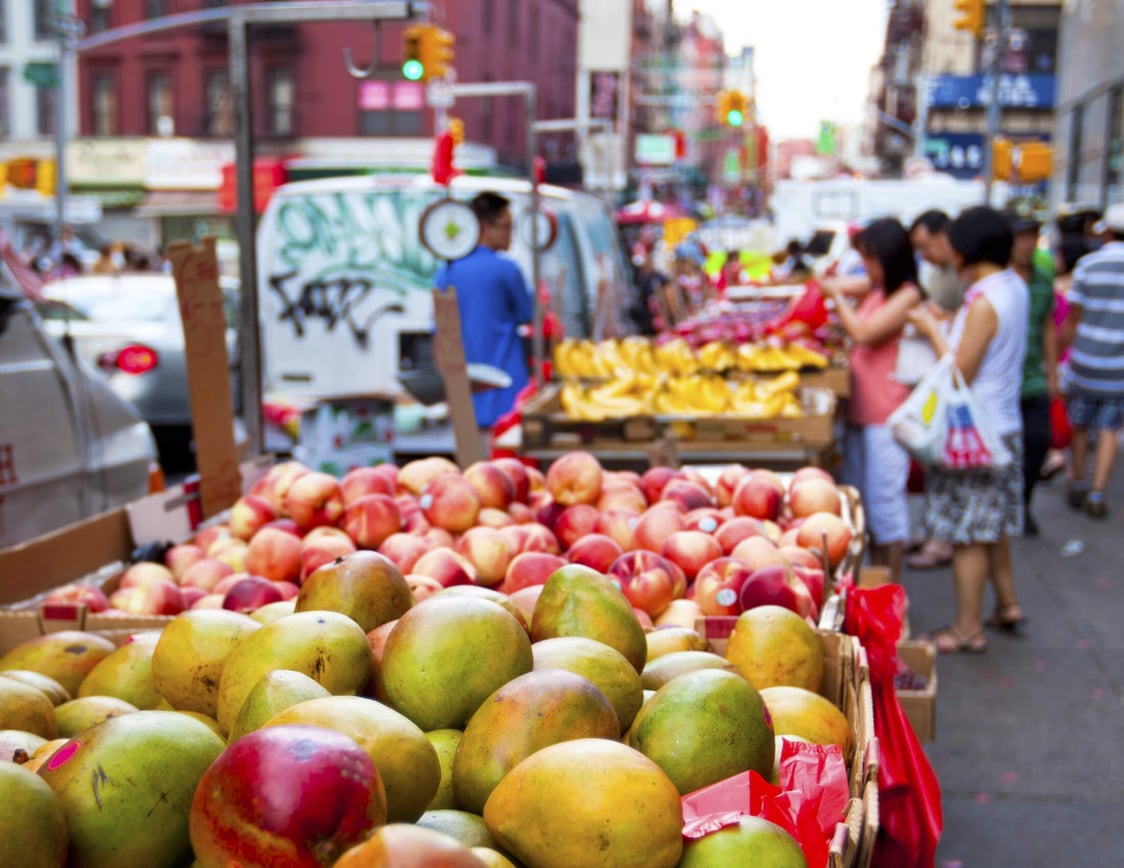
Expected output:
(920, 424)
(971, 442)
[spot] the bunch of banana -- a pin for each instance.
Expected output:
(676, 357)
(768, 399)
(574, 358)
(620, 398)
(717, 356)
(693, 395)
(765, 356)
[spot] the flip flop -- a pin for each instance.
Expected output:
(928, 559)
(947, 641)
(1009, 618)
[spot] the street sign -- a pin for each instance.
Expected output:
(439, 94)
(42, 74)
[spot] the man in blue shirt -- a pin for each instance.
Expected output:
(494, 300)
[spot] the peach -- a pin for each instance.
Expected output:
(647, 579)
(644, 618)
(285, 524)
(493, 487)
(654, 479)
(655, 525)
(288, 590)
(798, 556)
(404, 549)
(546, 511)
(233, 554)
(734, 530)
(207, 537)
(757, 552)
(447, 567)
(389, 473)
(535, 479)
(228, 582)
(489, 553)
(811, 473)
(439, 538)
(689, 495)
(363, 481)
(718, 585)
(422, 586)
(275, 554)
(776, 586)
(416, 475)
(622, 495)
(496, 518)
(314, 499)
(516, 471)
(520, 513)
(205, 574)
(323, 550)
(530, 568)
(191, 596)
(595, 551)
(691, 550)
(515, 535)
(819, 526)
(251, 593)
(94, 599)
(249, 515)
(280, 479)
(178, 558)
(211, 601)
(619, 526)
(525, 599)
(727, 484)
(537, 538)
(707, 519)
(681, 613)
(450, 502)
(574, 478)
(575, 522)
(143, 572)
(812, 495)
(153, 597)
(371, 519)
(814, 580)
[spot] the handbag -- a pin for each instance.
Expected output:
(919, 424)
(970, 441)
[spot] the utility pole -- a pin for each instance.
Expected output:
(68, 30)
(994, 112)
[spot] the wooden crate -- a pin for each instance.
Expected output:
(920, 706)
(546, 424)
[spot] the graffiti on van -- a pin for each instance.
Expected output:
(347, 260)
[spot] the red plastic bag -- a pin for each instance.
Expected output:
(909, 793)
(1061, 434)
(810, 308)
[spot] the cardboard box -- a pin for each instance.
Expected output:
(920, 706)
(815, 428)
(340, 432)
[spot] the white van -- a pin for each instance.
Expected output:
(344, 281)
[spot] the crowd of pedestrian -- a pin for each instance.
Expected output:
(68, 256)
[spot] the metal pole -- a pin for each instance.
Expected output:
(921, 85)
(1002, 26)
(536, 256)
(68, 30)
(250, 337)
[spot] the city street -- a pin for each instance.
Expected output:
(1028, 734)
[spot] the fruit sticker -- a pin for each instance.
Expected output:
(63, 755)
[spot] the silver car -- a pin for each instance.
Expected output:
(129, 326)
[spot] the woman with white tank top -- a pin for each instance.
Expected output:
(976, 510)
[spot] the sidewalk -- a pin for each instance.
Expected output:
(1030, 734)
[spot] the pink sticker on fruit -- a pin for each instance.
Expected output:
(61, 756)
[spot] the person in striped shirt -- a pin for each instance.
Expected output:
(1094, 328)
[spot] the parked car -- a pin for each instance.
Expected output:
(69, 446)
(128, 326)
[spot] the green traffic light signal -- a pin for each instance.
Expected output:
(735, 118)
(413, 70)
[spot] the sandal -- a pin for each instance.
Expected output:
(947, 641)
(933, 555)
(1095, 507)
(1008, 617)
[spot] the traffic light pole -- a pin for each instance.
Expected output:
(994, 110)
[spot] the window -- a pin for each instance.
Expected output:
(281, 99)
(1114, 153)
(103, 108)
(101, 16)
(390, 123)
(155, 8)
(43, 21)
(220, 105)
(45, 113)
(158, 93)
(5, 101)
(1073, 164)
(512, 22)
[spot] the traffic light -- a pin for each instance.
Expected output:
(973, 15)
(1002, 164)
(412, 66)
(45, 177)
(1034, 161)
(731, 107)
(437, 47)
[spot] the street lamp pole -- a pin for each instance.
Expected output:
(68, 30)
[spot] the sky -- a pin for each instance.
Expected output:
(812, 57)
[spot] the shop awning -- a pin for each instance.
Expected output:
(178, 203)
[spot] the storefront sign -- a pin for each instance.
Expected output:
(1033, 91)
(186, 164)
(106, 162)
(958, 154)
(655, 149)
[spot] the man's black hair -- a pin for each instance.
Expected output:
(489, 206)
(982, 234)
(887, 241)
(933, 220)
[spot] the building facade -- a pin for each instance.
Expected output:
(27, 111)
(1089, 130)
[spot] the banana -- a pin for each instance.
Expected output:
(786, 382)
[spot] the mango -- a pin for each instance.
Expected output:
(17, 745)
(445, 742)
(666, 640)
(606, 667)
(43, 753)
(364, 585)
(579, 601)
(270, 612)
(276, 691)
(527, 714)
(406, 761)
(753, 841)
(67, 656)
(188, 659)
(587, 802)
(86, 711)
(483, 593)
(32, 824)
(467, 828)
(405, 845)
(27, 709)
(126, 673)
(661, 670)
(447, 655)
(126, 788)
(328, 647)
(55, 691)
(705, 726)
(492, 858)
(796, 711)
(772, 646)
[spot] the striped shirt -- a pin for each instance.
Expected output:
(1097, 360)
